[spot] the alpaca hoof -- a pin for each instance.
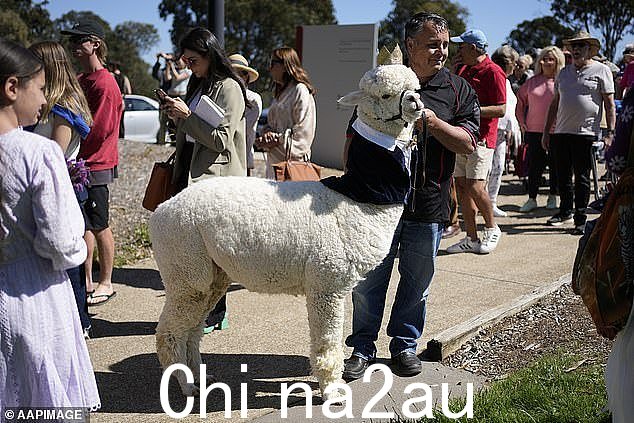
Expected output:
(190, 390)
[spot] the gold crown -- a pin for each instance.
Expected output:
(385, 57)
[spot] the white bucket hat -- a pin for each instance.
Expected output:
(240, 63)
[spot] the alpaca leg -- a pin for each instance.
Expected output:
(193, 351)
(180, 325)
(325, 319)
(217, 289)
(172, 342)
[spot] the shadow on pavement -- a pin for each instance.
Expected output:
(138, 278)
(133, 385)
(532, 228)
(146, 278)
(104, 328)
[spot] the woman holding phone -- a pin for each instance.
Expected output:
(202, 149)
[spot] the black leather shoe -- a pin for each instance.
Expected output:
(406, 364)
(355, 367)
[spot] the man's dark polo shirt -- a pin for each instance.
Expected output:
(455, 102)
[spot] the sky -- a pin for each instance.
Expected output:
(496, 18)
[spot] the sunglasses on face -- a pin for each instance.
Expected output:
(190, 60)
(578, 45)
(274, 62)
(80, 39)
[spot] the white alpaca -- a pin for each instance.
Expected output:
(291, 237)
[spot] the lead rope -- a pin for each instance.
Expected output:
(420, 154)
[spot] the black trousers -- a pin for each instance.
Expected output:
(537, 160)
(573, 155)
(218, 313)
(77, 276)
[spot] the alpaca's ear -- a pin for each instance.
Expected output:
(353, 98)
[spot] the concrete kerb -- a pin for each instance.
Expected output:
(450, 340)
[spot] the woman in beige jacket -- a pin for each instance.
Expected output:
(202, 148)
(293, 108)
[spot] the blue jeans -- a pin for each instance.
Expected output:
(417, 244)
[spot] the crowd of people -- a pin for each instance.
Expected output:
(476, 110)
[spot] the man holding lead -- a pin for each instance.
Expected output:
(452, 116)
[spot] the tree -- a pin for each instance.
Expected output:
(392, 29)
(142, 37)
(613, 18)
(125, 44)
(253, 28)
(128, 41)
(31, 21)
(538, 33)
(13, 28)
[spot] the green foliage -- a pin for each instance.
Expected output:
(130, 40)
(141, 37)
(134, 247)
(538, 33)
(553, 390)
(13, 28)
(125, 43)
(253, 28)
(30, 19)
(27, 21)
(613, 18)
(393, 27)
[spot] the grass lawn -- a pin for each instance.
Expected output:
(556, 389)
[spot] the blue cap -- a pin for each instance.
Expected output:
(473, 36)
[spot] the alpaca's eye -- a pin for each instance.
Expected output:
(386, 96)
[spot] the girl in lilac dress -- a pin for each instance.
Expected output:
(44, 361)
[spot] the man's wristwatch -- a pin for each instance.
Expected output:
(609, 132)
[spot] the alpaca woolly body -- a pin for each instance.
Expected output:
(224, 229)
(298, 238)
(323, 236)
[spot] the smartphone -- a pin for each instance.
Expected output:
(160, 94)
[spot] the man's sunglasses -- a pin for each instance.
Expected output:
(579, 45)
(80, 39)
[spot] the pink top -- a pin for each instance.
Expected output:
(533, 100)
(628, 76)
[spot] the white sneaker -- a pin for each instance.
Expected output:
(490, 239)
(551, 204)
(465, 245)
(498, 212)
(529, 205)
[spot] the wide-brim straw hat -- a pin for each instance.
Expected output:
(240, 63)
(595, 44)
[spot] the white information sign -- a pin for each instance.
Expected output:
(335, 57)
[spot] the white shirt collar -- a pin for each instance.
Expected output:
(379, 138)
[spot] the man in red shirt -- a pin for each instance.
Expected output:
(471, 171)
(99, 149)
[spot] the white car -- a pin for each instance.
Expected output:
(141, 118)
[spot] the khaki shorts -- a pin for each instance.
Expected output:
(476, 165)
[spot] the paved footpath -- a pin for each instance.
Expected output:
(270, 333)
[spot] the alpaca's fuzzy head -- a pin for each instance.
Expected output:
(384, 101)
